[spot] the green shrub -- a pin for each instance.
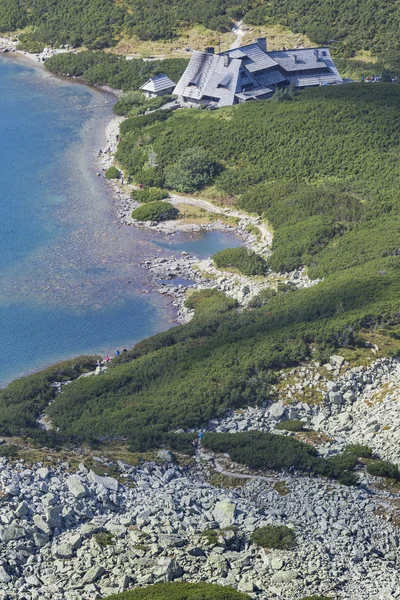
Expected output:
(23, 400)
(193, 171)
(149, 195)
(291, 425)
(244, 260)
(155, 211)
(210, 301)
(274, 536)
(135, 103)
(112, 173)
(181, 591)
(262, 298)
(359, 450)
(105, 68)
(104, 538)
(8, 451)
(383, 468)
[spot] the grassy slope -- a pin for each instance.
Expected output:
(223, 359)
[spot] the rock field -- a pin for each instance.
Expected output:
(68, 535)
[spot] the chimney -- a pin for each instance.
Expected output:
(226, 60)
(317, 56)
(210, 50)
(262, 42)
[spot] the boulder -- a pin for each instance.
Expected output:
(41, 524)
(22, 509)
(167, 569)
(12, 532)
(108, 482)
(4, 576)
(166, 456)
(76, 487)
(277, 410)
(224, 512)
(283, 576)
(93, 574)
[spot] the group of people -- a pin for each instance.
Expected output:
(107, 358)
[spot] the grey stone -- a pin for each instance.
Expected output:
(12, 532)
(167, 569)
(108, 482)
(42, 525)
(277, 410)
(224, 512)
(22, 509)
(283, 576)
(76, 487)
(166, 456)
(93, 574)
(4, 576)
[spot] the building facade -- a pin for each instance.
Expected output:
(252, 73)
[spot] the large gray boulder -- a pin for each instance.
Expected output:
(277, 410)
(167, 569)
(224, 512)
(108, 482)
(12, 532)
(76, 487)
(93, 574)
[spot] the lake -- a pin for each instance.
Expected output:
(70, 278)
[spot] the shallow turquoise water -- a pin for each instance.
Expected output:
(70, 280)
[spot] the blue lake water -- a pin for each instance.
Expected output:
(70, 277)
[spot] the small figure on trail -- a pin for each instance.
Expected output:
(140, 186)
(117, 353)
(291, 470)
(107, 359)
(308, 471)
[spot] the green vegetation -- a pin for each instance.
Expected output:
(149, 195)
(8, 451)
(268, 451)
(181, 591)
(243, 260)
(383, 468)
(291, 425)
(329, 156)
(155, 211)
(274, 536)
(104, 538)
(25, 399)
(112, 173)
(210, 301)
(359, 450)
(192, 171)
(101, 68)
(94, 24)
(366, 25)
(135, 103)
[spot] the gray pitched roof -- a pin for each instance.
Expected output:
(293, 62)
(251, 72)
(208, 75)
(158, 83)
(254, 58)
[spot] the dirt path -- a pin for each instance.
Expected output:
(238, 30)
(266, 234)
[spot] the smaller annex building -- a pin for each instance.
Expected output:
(251, 72)
(158, 86)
